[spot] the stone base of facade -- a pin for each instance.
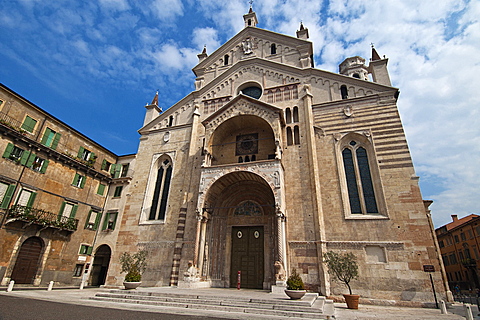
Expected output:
(194, 284)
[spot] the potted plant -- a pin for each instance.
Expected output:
(134, 265)
(345, 269)
(295, 288)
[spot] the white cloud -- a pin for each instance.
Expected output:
(166, 10)
(205, 37)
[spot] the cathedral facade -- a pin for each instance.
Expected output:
(271, 161)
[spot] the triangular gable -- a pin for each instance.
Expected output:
(260, 108)
(304, 47)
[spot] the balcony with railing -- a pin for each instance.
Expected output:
(11, 126)
(40, 217)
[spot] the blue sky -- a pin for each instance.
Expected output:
(95, 64)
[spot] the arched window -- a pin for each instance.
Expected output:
(288, 115)
(295, 114)
(273, 49)
(344, 92)
(289, 136)
(254, 157)
(162, 189)
(225, 60)
(240, 159)
(356, 75)
(247, 159)
(249, 22)
(361, 194)
(296, 135)
(170, 121)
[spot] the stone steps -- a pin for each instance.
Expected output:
(311, 306)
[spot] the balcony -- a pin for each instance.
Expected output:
(41, 217)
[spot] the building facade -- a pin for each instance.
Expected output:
(459, 242)
(273, 162)
(54, 183)
(268, 163)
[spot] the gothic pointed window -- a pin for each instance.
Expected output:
(360, 188)
(162, 188)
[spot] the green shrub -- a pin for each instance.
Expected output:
(134, 265)
(294, 282)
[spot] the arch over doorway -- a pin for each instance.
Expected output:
(239, 231)
(100, 265)
(28, 260)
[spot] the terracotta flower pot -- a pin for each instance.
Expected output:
(351, 300)
(295, 294)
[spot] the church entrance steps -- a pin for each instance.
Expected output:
(252, 302)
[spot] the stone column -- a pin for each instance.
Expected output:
(203, 235)
(197, 239)
(281, 242)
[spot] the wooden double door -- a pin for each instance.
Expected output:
(28, 260)
(247, 257)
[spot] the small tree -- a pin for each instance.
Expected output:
(294, 282)
(134, 265)
(343, 266)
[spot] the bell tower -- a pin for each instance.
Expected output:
(250, 18)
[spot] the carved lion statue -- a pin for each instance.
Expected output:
(279, 271)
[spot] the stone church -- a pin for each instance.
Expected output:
(270, 160)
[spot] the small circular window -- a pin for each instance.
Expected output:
(254, 92)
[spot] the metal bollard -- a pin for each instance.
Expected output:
(443, 307)
(10, 286)
(50, 286)
(468, 312)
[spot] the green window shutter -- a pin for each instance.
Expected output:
(75, 180)
(112, 168)
(33, 195)
(117, 169)
(80, 152)
(30, 159)
(8, 196)
(92, 157)
(24, 158)
(114, 221)
(89, 250)
(105, 221)
(82, 183)
(74, 211)
(101, 189)
(8, 150)
(88, 218)
(45, 136)
(62, 207)
(29, 124)
(104, 164)
(55, 141)
(44, 166)
(97, 220)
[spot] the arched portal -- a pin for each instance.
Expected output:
(100, 265)
(239, 232)
(28, 259)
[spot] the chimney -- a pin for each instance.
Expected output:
(454, 217)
